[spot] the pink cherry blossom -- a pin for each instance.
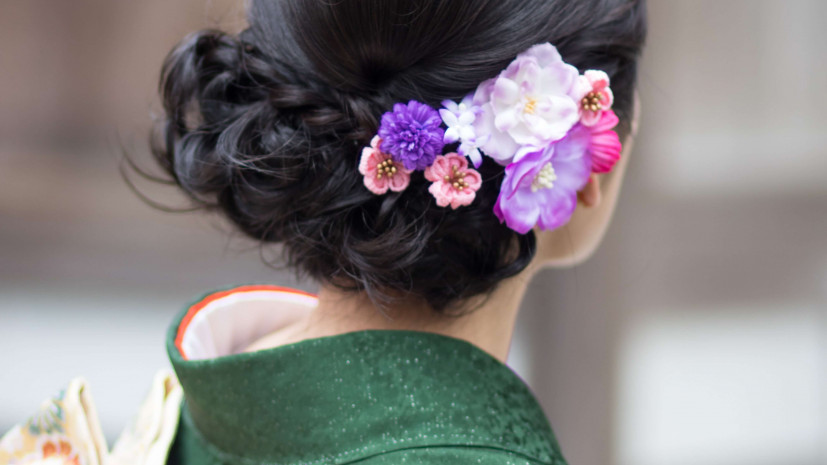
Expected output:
(595, 96)
(381, 172)
(454, 183)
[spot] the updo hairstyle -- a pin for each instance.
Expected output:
(267, 127)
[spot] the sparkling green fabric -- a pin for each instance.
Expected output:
(375, 397)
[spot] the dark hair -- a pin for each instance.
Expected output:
(267, 127)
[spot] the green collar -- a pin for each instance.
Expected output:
(350, 396)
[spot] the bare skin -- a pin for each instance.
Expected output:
(491, 325)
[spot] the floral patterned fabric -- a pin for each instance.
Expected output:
(66, 431)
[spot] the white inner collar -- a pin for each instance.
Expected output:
(231, 323)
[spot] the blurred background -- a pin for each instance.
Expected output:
(697, 334)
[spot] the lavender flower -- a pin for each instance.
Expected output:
(411, 134)
(540, 186)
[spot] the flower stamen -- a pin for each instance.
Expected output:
(544, 179)
(457, 179)
(530, 106)
(387, 168)
(592, 102)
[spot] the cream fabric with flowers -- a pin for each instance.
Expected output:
(66, 430)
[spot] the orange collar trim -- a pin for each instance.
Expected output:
(203, 303)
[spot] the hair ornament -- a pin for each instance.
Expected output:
(412, 134)
(597, 96)
(381, 171)
(453, 183)
(460, 119)
(547, 124)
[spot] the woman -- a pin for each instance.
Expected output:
(421, 160)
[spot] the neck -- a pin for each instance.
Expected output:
(489, 325)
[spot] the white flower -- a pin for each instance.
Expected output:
(471, 149)
(530, 104)
(460, 118)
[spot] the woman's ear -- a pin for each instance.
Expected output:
(578, 240)
(590, 195)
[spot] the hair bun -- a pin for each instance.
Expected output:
(267, 127)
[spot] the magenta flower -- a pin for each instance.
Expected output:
(604, 147)
(530, 104)
(381, 172)
(454, 183)
(595, 96)
(540, 186)
(412, 135)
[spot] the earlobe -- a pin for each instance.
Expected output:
(590, 195)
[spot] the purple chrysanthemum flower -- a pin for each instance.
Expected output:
(412, 135)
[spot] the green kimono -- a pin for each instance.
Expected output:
(374, 397)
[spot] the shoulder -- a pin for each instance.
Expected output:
(458, 455)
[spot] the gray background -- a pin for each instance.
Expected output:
(695, 335)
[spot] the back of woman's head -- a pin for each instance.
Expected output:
(268, 126)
